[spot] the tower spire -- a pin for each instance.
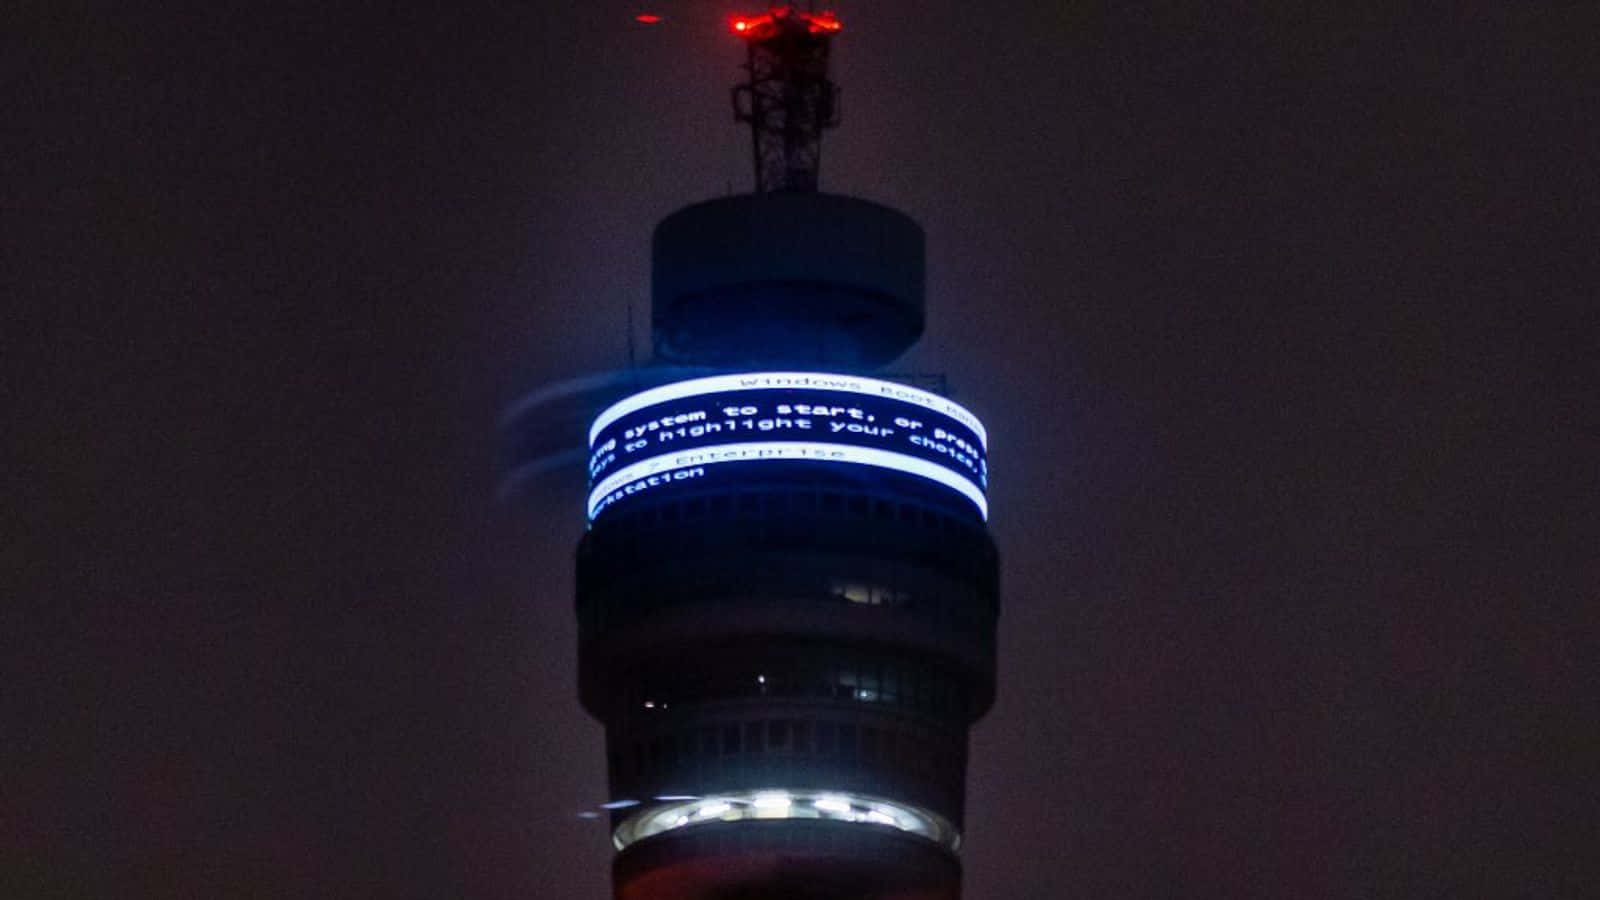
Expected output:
(787, 98)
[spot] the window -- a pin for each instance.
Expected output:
(869, 594)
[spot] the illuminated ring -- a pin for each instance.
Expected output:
(776, 803)
(788, 451)
(811, 381)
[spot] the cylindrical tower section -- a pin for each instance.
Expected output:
(787, 278)
(787, 600)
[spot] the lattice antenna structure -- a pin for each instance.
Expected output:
(787, 98)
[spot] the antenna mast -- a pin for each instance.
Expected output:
(787, 97)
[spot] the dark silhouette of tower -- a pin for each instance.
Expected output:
(787, 591)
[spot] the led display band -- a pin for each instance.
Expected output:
(759, 381)
(674, 432)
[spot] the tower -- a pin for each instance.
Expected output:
(786, 592)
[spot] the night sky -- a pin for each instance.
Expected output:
(1282, 318)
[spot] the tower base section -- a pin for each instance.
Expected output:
(778, 860)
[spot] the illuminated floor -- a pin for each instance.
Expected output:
(785, 804)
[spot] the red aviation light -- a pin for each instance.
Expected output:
(822, 22)
(751, 27)
(648, 18)
(760, 27)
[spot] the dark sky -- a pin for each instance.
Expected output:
(1282, 318)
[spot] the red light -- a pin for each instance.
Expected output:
(822, 21)
(647, 18)
(762, 27)
(751, 27)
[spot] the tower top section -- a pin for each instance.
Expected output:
(786, 278)
(786, 97)
(787, 275)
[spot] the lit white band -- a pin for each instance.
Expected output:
(790, 451)
(833, 806)
(766, 381)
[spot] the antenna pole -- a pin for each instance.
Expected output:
(786, 97)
